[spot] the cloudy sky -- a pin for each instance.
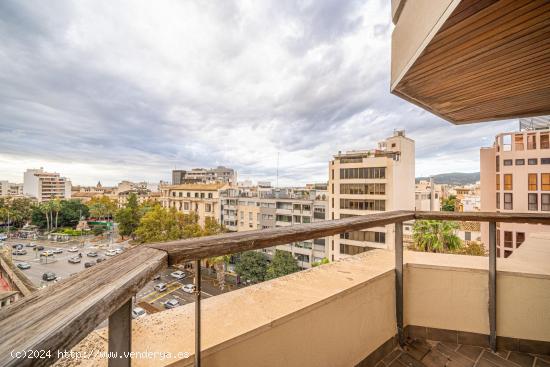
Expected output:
(112, 90)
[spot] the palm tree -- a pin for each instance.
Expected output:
(44, 208)
(56, 206)
(436, 236)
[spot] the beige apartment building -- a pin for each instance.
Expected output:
(45, 186)
(370, 181)
(515, 178)
(202, 199)
(10, 189)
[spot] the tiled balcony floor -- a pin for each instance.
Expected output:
(420, 353)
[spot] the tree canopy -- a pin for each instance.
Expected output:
(101, 207)
(435, 236)
(449, 204)
(283, 263)
(252, 266)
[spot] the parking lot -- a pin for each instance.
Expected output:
(57, 263)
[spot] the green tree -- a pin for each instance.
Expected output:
(252, 266)
(128, 217)
(283, 263)
(102, 207)
(324, 260)
(472, 248)
(449, 204)
(71, 212)
(160, 224)
(19, 211)
(435, 236)
(212, 227)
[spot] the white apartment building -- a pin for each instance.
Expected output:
(427, 196)
(245, 209)
(10, 189)
(515, 177)
(45, 186)
(202, 175)
(370, 181)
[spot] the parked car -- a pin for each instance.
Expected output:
(189, 288)
(17, 246)
(92, 254)
(100, 259)
(178, 274)
(30, 244)
(58, 250)
(156, 277)
(89, 264)
(119, 250)
(40, 248)
(72, 249)
(110, 253)
(138, 312)
(171, 303)
(74, 259)
(24, 266)
(19, 252)
(49, 276)
(161, 287)
(47, 253)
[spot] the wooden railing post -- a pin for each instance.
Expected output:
(399, 282)
(120, 336)
(492, 286)
(197, 313)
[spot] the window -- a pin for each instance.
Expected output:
(370, 172)
(250, 215)
(532, 182)
(306, 219)
(173, 193)
(507, 162)
(508, 239)
(180, 194)
(208, 208)
(186, 206)
(545, 161)
(467, 236)
(508, 201)
(545, 202)
(520, 238)
(379, 205)
(507, 253)
(497, 163)
(370, 236)
(532, 161)
(520, 162)
(518, 139)
(532, 200)
(544, 141)
(242, 215)
(498, 200)
(508, 182)
(506, 143)
(188, 194)
(202, 195)
(531, 141)
(545, 181)
(363, 189)
(498, 181)
(210, 196)
(352, 250)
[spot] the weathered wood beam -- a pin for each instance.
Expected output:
(530, 218)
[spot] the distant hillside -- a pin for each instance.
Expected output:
(454, 178)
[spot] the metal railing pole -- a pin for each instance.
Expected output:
(399, 281)
(197, 313)
(120, 336)
(492, 286)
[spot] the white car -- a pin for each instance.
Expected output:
(110, 253)
(58, 250)
(161, 287)
(138, 312)
(72, 249)
(189, 288)
(178, 274)
(119, 250)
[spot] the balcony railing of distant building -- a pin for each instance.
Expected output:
(58, 317)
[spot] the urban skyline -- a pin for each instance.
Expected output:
(173, 111)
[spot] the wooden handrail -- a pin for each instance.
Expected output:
(58, 317)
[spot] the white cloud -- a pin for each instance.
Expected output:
(130, 89)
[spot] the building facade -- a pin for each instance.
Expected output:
(45, 186)
(202, 199)
(10, 189)
(427, 196)
(370, 181)
(515, 177)
(202, 175)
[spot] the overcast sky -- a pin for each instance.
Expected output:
(112, 90)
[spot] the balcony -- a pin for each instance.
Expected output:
(354, 312)
(472, 60)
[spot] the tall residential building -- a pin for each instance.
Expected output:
(515, 177)
(10, 189)
(203, 175)
(45, 186)
(369, 181)
(245, 209)
(202, 199)
(427, 195)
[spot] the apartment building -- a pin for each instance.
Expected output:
(10, 189)
(203, 175)
(427, 195)
(45, 186)
(202, 199)
(244, 209)
(515, 178)
(370, 181)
